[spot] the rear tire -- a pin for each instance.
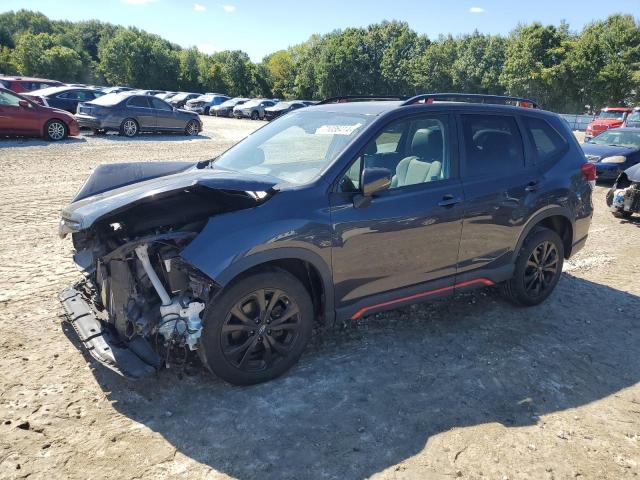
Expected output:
(129, 127)
(537, 270)
(55, 130)
(191, 129)
(257, 328)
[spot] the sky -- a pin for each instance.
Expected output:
(260, 27)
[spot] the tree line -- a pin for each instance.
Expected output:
(564, 70)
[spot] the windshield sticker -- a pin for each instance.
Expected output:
(337, 129)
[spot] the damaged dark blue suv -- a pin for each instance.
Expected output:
(335, 211)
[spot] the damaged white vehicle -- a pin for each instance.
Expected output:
(624, 196)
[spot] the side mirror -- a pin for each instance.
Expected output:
(372, 181)
(24, 103)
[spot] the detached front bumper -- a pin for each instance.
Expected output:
(134, 359)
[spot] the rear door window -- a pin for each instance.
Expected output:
(492, 145)
(547, 142)
(140, 102)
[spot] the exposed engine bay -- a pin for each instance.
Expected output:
(624, 197)
(141, 305)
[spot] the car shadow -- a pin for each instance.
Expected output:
(369, 396)
(13, 142)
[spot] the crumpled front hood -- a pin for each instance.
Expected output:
(85, 210)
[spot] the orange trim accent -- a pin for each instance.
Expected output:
(364, 310)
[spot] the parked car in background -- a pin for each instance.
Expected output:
(253, 109)
(116, 89)
(148, 92)
(613, 151)
(282, 108)
(180, 99)
(309, 103)
(225, 109)
(21, 116)
(27, 84)
(633, 119)
(203, 103)
(165, 96)
(64, 98)
(333, 212)
(609, 117)
(131, 114)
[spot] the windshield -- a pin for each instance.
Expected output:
(611, 115)
(634, 117)
(296, 148)
(618, 138)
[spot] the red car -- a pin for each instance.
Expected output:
(609, 117)
(27, 84)
(19, 116)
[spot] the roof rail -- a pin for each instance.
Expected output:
(359, 98)
(472, 98)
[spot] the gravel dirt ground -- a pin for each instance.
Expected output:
(470, 388)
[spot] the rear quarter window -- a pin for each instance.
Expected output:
(548, 144)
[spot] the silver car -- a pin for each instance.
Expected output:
(203, 103)
(253, 109)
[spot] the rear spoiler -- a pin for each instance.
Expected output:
(428, 98)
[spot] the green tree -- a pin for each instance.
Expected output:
(281, 72)
(61, 63)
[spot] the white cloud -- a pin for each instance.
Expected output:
(207, 48)
(198, 7)
(229, 8)
(138, 2)
(476, 10)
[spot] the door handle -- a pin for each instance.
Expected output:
(449, 201)
(532, 186)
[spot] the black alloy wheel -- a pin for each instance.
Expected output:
(538, 268)
(257, 328)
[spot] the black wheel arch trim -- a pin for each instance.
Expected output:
(285, 253)
(547, 212)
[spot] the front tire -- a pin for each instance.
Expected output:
(129, 127)
(538, 268)
(623, 214)
(257, 328)
(55, 130)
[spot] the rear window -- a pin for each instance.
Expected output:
(493, 145)
(547, 141)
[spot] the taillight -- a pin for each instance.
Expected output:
(589, 173)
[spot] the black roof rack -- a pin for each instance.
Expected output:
(472, 98)
(359, 98)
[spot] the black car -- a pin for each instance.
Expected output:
(282, 108)
(613, 151)
(332, 212)
(225, 109)
(181, 98)
(131, 114)
(64, 98)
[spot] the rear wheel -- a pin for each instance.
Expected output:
(538, 268)
(55, 130)
(129, 127)
(257, 329)
(192, 128)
